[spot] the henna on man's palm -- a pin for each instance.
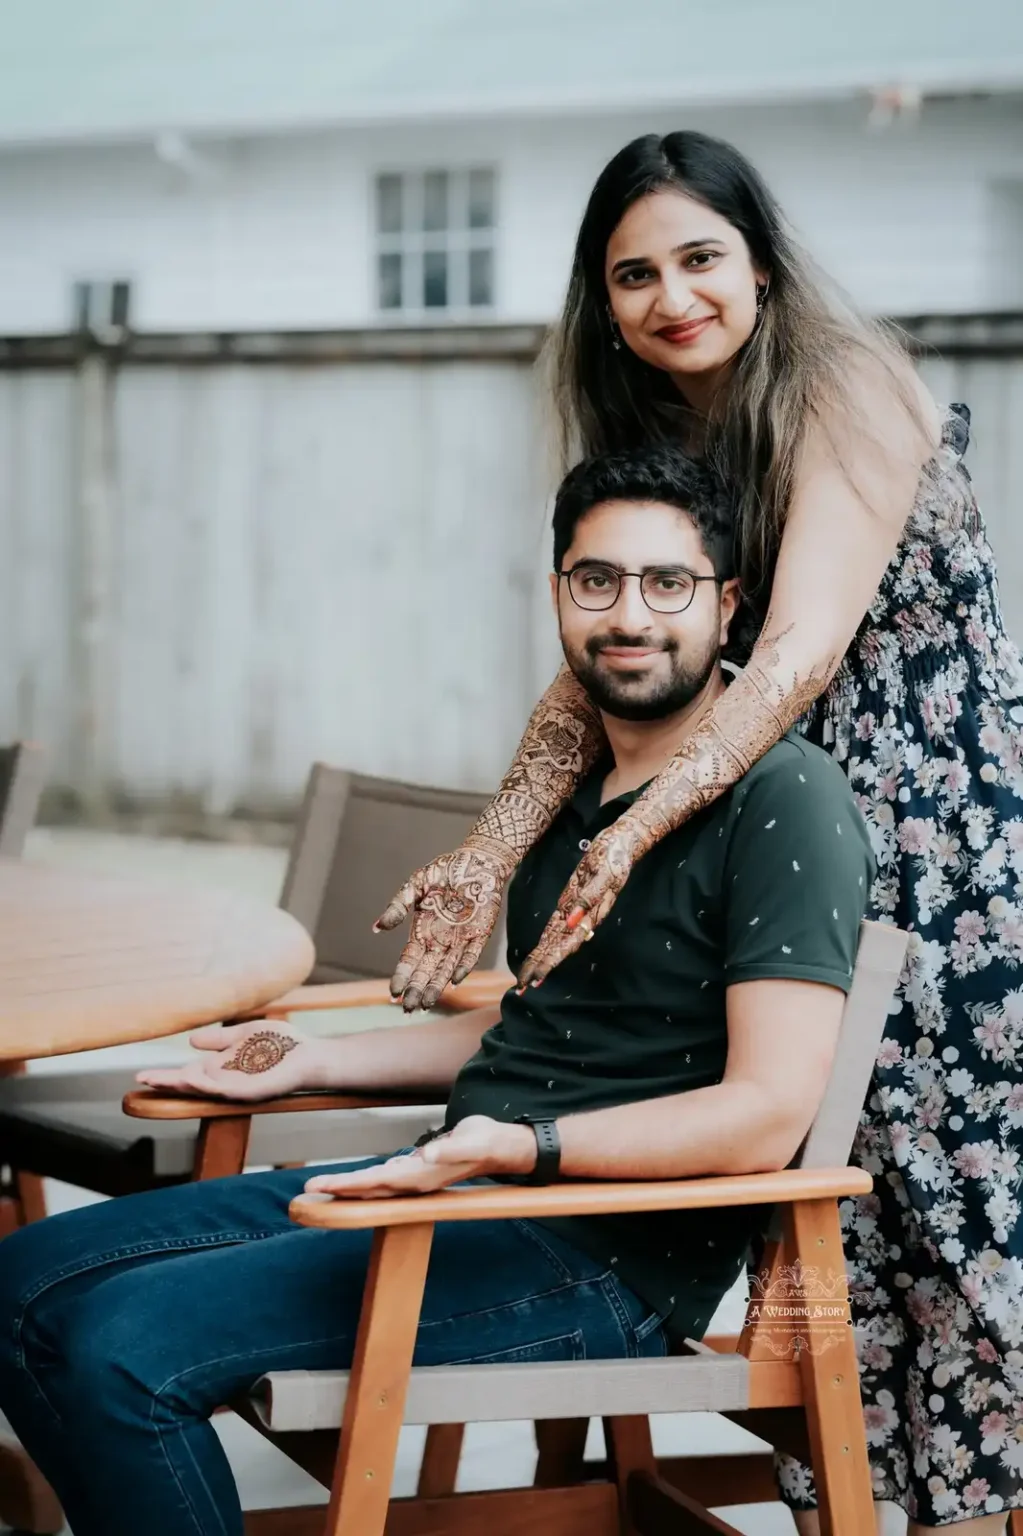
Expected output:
(261, 1052)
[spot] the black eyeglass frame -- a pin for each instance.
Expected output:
(664, 570)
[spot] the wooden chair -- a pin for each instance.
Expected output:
(21, 784)
(791, 1381)
(357, 838)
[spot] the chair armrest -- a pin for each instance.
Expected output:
(504, 1201)
(153, 1104)
(479, 990)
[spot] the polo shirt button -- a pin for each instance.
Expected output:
(584, 844)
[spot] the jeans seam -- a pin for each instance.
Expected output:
(612, 1295)
(186, 1501)
(529, 1230)
(576, 1335)
(244, 1354)
(111, 1256)
(503, 1306)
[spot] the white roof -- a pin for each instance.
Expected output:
(107, 69)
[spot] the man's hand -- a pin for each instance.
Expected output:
(248, 1062)
(477, 1147)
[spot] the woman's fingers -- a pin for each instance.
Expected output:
(412, 957)
(422, 978)
(443, 972)
(557, 942)
(399, 906)
(559, 939)
(470, 958)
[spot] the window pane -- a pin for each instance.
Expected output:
(389, 204)
(481, 199)
(435, 280)
(389, 280)
(435, 200)
(481, 277)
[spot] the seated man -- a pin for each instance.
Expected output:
(693, 1035)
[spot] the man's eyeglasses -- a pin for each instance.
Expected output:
(597, 587)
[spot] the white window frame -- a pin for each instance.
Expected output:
(412, 243)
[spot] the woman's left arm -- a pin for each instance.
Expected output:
(840, 534)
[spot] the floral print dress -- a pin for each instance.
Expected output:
(926, 716)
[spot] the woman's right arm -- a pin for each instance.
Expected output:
(455, 899)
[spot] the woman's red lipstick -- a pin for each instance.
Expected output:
(679, 335)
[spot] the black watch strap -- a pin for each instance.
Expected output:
(548, 1150)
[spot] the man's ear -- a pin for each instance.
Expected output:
(731, 592)
(555, 584)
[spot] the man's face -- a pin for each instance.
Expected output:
(636, 662)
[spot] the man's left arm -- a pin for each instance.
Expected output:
(781, 1040)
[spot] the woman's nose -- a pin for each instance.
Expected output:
(676, 296)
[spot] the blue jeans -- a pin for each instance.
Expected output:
(125, 1324)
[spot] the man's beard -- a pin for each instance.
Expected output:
(633, 696)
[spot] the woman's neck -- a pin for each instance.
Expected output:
(700, 390)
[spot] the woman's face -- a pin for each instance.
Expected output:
(682, 285)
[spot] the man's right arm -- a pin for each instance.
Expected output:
(429, 1055)
(267, 1059)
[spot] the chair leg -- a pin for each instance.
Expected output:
(305, 1520)
(441, 1455)
(30, 1197)
(378, 1384)
(221, 1147)
(560, 1448)
(26, 1498)
(830, 1376)
(630, 1453)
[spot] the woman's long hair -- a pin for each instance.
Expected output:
(807, 360)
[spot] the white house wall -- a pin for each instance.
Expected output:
(275, 232)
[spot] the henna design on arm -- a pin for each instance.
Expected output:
(754, 712)
(261, 1052)
(455, 899)
(561, 743)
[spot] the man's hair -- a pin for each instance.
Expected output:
(658, 473)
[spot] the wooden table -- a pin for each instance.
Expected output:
(88, 961)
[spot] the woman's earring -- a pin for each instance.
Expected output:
(762, 292)
(616, 335)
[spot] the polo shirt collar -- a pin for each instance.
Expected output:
(586, 800)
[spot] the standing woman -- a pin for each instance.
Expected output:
(872, 607)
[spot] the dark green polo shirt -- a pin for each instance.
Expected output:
(770, 880)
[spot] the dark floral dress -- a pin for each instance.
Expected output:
(926, 715)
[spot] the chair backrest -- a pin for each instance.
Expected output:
(358, 839)
(879, 959)
(21, 784)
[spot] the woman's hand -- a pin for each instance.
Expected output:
(477, 1147)
(454, 901)
(589, 896)
(248, 1062)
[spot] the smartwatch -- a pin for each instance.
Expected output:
(548, 1149)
